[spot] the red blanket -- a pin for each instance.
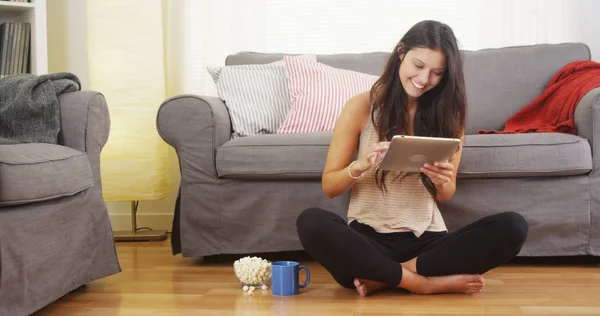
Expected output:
(554, 109)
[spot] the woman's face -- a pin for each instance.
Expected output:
(421, 69)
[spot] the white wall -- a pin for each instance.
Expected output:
(67, 47)
(590, 10)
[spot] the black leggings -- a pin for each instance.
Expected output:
(358, 251)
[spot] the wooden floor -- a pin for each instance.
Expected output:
(154, 282)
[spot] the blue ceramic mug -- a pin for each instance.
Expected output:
(284, 278)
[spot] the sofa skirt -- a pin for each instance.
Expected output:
(49, 249)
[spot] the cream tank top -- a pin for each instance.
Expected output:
(407, 206)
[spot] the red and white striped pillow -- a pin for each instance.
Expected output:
(319, 92)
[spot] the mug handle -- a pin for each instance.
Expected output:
(307, 276)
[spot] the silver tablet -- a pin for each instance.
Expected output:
(410, 153)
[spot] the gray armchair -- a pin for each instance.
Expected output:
(55, 234)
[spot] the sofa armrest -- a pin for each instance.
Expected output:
(85, 125)
(195, 126)
(84, 121)
(587, 121)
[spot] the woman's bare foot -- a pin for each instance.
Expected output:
(461, 283)
(458, 283)
(365, 287)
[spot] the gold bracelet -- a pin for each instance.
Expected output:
(350, 172)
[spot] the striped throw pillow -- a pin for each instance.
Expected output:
(319, 92)
(256, 95)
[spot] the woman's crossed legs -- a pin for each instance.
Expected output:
(358, 257)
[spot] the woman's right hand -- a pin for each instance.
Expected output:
(373, 155)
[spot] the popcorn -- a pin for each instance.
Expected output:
(252, 271)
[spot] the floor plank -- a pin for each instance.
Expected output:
(154, 282)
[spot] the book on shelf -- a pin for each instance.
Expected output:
(15, 42)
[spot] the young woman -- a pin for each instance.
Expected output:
(396, 236)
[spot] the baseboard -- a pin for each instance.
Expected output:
(154, 221)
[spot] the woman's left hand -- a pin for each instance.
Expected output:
(439, 173)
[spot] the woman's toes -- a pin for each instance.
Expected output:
(361, 288)
(475, 287)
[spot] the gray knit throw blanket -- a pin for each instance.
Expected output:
(29, 108)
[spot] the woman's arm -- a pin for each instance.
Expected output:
(348, 127)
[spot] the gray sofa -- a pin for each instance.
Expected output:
(55, 234)
(243, 195)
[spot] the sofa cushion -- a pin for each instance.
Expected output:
(275, 156)
(524, 155)
(370, 63)
(38, 172)
(302, 156)
(520, 74)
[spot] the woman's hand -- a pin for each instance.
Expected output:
(439, 173)
(373, 154)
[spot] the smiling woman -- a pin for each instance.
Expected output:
(396, 235)
(422, 90)
(424, 71)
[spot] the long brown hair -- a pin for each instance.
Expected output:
(440, 111)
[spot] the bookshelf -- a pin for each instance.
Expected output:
(33, 12)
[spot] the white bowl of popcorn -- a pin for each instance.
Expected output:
(253, 272)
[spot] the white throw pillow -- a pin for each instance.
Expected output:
(257, 95)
